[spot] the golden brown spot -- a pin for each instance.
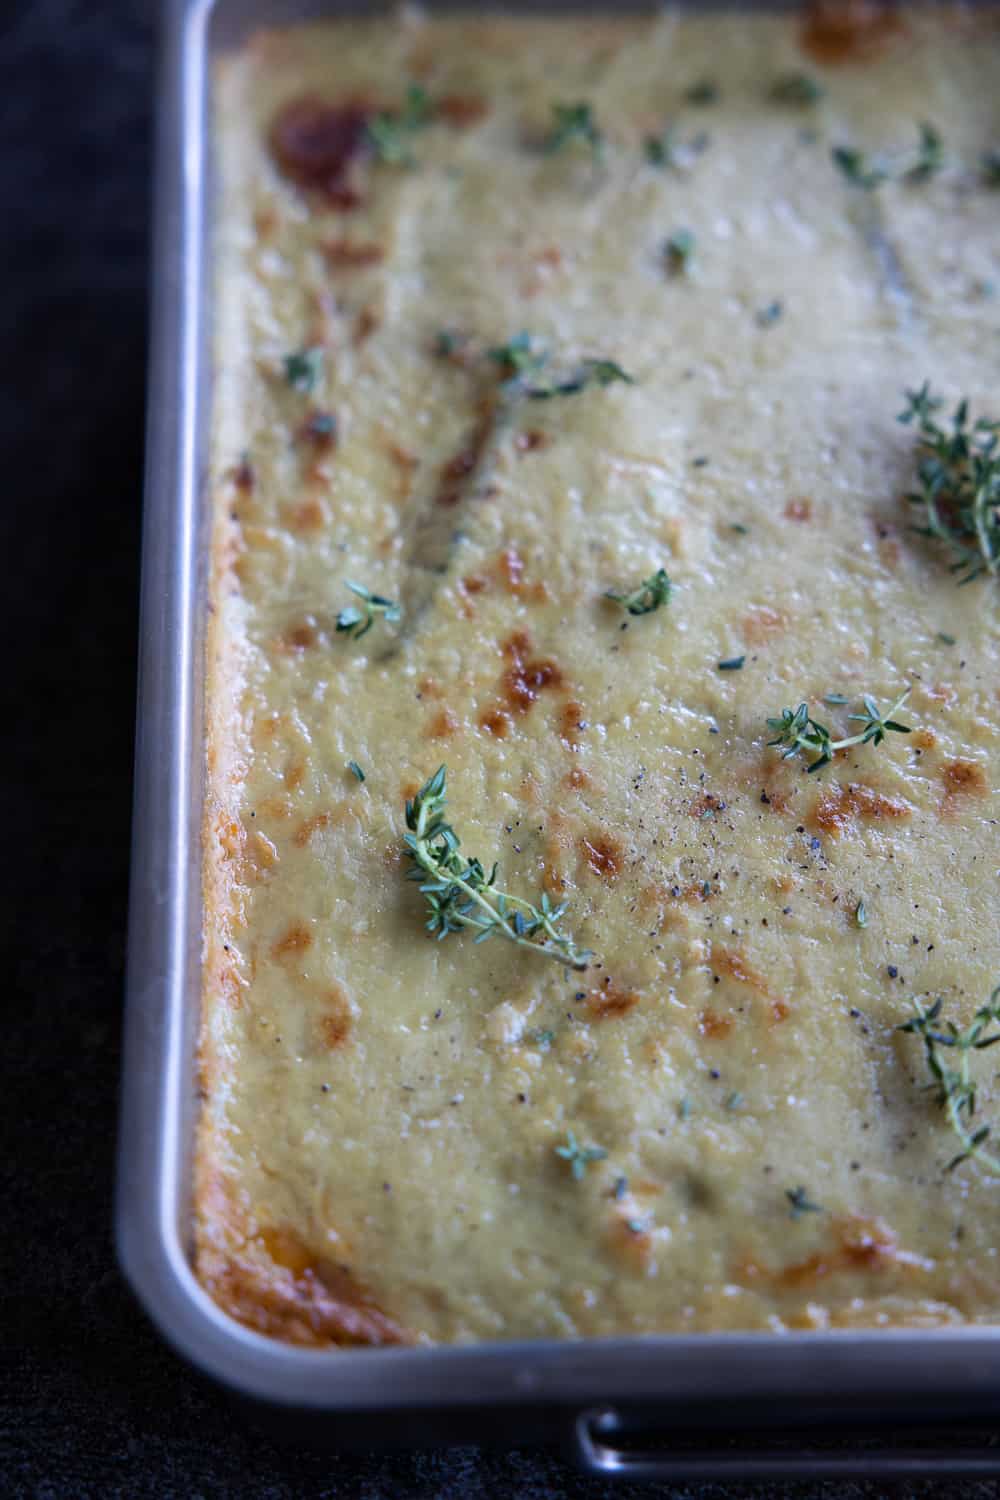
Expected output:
(461, 110)
(335, 1021)
(300, 637)
(286, 1250)
(319, 430)
(847, 31)
(443, 725)
(512, 569)
(409, 790)
(315, 143)
(305, 830)
(457, 470)
(429, 687)
(799, 509)
(577, 778)
(368, 322)
(496, 722)
(296, 940)
(475, 583)
(345, 255)
(964, 778)
(272, 1282)
(783, 884)
(401, 456)
(294, 774)
(265, 221)
(731, 963)
(244, 477)
(713, 1026)
(517, 645)
(610, 1001)
(779, 1012)
(924, 739)
(761, 622)
(571, 720)
(603, 854)
(310, 515)
(839, 806)
(706, 805)
(939, 692)
(276, 808)
(864, 1245)
(528, 442)
(524, 680)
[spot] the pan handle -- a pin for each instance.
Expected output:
(598, 1452)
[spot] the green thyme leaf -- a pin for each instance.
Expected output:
(929, 157)
(766, 317)
(990, 166)
(858, 167)
(945, 638)
(861, 914)
(304, 369)
(459, 893)
(801, 1203)
(651, 593)
(543, 1039)
(574, 124)
(679, 250)
(355, 770)
(391, 134)
(732, 664)
(579, 1157)
(357, 620)
(668, 150)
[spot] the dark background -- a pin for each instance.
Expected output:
(91, 1402)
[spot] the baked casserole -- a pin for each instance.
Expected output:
(607, 534)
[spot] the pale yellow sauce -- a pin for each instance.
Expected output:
(382, 1103)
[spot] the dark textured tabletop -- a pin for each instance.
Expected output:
(91, 1402)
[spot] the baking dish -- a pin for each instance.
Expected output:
(584, 1393)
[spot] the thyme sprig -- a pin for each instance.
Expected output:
(356, 622)
(651, 593)
(579, 1157)
(391, 135)
(522, 358)
(795, 730)
(954, 1087)
(958, 472)
(574, 123)
(460, 894)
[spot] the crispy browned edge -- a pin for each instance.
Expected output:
(261, 1275)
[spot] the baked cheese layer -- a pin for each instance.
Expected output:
(718, 1124)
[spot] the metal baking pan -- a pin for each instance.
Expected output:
(674, 1395)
